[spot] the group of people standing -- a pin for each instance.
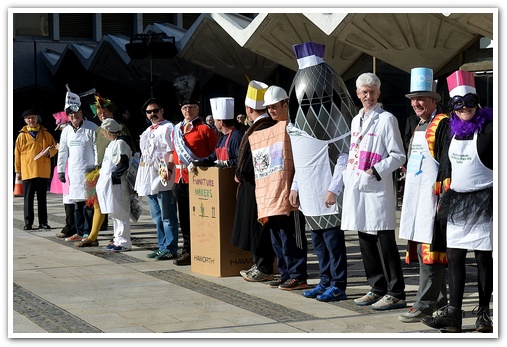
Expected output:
(447, 205)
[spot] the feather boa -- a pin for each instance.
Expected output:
(463, 129)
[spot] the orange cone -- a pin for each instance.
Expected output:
(18, 188)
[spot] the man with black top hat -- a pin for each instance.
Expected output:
(193, 140)
(78, 149)
(157, 149)
(32, 171)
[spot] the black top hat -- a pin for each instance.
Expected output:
(187, 89)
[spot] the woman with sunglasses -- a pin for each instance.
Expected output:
(468, 203)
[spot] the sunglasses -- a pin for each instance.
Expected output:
(155, 110)
(469, 100)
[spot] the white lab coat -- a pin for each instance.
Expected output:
(154, 143)
(78, 149)
(113, 197)
(370, 205)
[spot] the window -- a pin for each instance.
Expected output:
(76, 25)
(118, 23)
(31, 24)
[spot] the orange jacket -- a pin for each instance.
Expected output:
(27, 148)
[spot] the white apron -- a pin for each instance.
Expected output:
(469, 174)
(313, 172)
(419, 200)
(81, 160)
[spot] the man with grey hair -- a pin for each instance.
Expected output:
(376, 151)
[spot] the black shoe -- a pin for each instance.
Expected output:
(44, 226)
(184, 259)
(166, 255)
(448, 318)
(28, 227)
(483, 324)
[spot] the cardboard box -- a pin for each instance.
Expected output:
(212, 207)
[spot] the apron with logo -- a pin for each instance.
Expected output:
(469, 174)
(419, 200)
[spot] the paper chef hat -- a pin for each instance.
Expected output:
(255, 95)
(72, 101)
(461, 83)
(422, 84)
(222, 108)
(309, 54)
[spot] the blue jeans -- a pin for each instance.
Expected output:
(164, 214)
(329, 246)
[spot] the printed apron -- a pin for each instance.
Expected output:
(419, 200)
(474, 232)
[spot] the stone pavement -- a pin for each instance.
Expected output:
(61, 289)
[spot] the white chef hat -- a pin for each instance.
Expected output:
(222, 108)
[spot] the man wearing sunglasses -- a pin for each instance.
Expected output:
(193, 140)
(156, 144)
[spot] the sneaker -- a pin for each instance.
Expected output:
(154, 254)
(412, 316)
(87, 243)
(183, 260)
(165, 255)
(243, 273)
(368, 299)
(74, 237)
(276, 283)
(85, 236)
(332, 294)
(110, 246)
(257, 275)
(312, 293)
(389, 302)
(293, 284)
(117, 249)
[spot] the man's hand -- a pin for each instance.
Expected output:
(330, 199)
(192, 168)
(293, 198)
(61, 177)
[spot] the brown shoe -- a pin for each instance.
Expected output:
(87, 243)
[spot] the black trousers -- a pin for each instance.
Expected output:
(31, 187)
(382, 263)
(264, 255)
(184, 214)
